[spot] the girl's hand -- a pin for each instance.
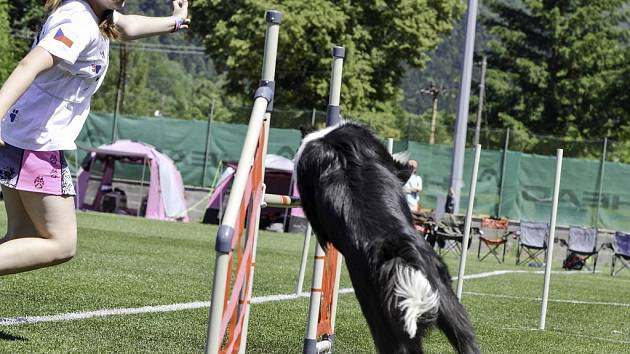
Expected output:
(180, 9)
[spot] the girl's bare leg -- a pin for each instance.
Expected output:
(19, 223)
(55, 237)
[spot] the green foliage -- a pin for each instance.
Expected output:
(7, 59)
(157, 83)
(443, 69)
(558, 67)
(170, 82)
(176, 84)
(26, 19)
(378, 36)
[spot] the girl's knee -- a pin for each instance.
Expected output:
(65, 252)
(70, 249)
(66, 247)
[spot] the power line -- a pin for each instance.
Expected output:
(139, 46)
(155, 49)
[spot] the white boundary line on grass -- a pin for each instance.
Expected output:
(73, 316)
(567, 333)
(576, 302)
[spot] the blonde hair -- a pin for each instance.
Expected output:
(105, 24)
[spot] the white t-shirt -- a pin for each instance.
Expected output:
(413, 198)
(51, 113)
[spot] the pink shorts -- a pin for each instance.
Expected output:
(35, 171)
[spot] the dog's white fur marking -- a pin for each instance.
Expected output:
(310, 137)
(402, 157)
(416, 297)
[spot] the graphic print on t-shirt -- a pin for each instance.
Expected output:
(63, 39)
(14, 113)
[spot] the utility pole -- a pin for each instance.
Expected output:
(120, 87)
(459, 145)
(435, 92)
(482, 93)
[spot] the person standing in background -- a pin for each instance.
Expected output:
(413, 187)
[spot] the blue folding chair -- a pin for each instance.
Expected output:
(532, 238)
(621, 249)
(581, 245)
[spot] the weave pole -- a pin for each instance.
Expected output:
(305, 246)
(327, 268)
(469, 211)
(552, 237)
(227, 323)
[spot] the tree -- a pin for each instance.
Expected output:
(26, 20)
(175, 83)
(557, 66)
(379, 37)
(7, 59)
(165, 79)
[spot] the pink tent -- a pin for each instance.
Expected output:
(165, 199)
(278, 180)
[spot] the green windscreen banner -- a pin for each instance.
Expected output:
(512, 184)
(192, 144)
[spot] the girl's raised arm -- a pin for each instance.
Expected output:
(135, 26)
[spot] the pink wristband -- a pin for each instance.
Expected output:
(179, 21)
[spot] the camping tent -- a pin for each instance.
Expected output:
(278, 173)
(165, 199)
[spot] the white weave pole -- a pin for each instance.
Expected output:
(338, 54)
(225, 234)
(469, 211)
(273, 19)
(305, 247)
(333, 117)
(552, 236)
(390, 145)
(310, 341)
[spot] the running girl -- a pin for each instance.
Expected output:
(44, 104)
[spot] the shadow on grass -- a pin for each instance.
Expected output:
(9, 337)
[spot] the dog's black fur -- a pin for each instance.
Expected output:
(351, 190)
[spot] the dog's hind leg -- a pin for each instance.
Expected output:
(454, 323)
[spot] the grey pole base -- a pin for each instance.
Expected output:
(310, 346)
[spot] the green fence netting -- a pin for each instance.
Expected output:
(525, 192)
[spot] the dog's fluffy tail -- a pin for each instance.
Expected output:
(415, 297)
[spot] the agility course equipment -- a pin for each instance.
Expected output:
(307, 242)
(327, 270)
(550, 241)
(229, 309)
(552, 235)
(469, 211)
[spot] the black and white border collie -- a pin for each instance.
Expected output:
(351, 190)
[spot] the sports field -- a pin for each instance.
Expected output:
(143, 286)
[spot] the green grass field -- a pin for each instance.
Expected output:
(125, 262)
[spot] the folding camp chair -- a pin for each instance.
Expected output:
(532, 238)
(493, 233)
(621, 247)
(581, 246)
(449, 234)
